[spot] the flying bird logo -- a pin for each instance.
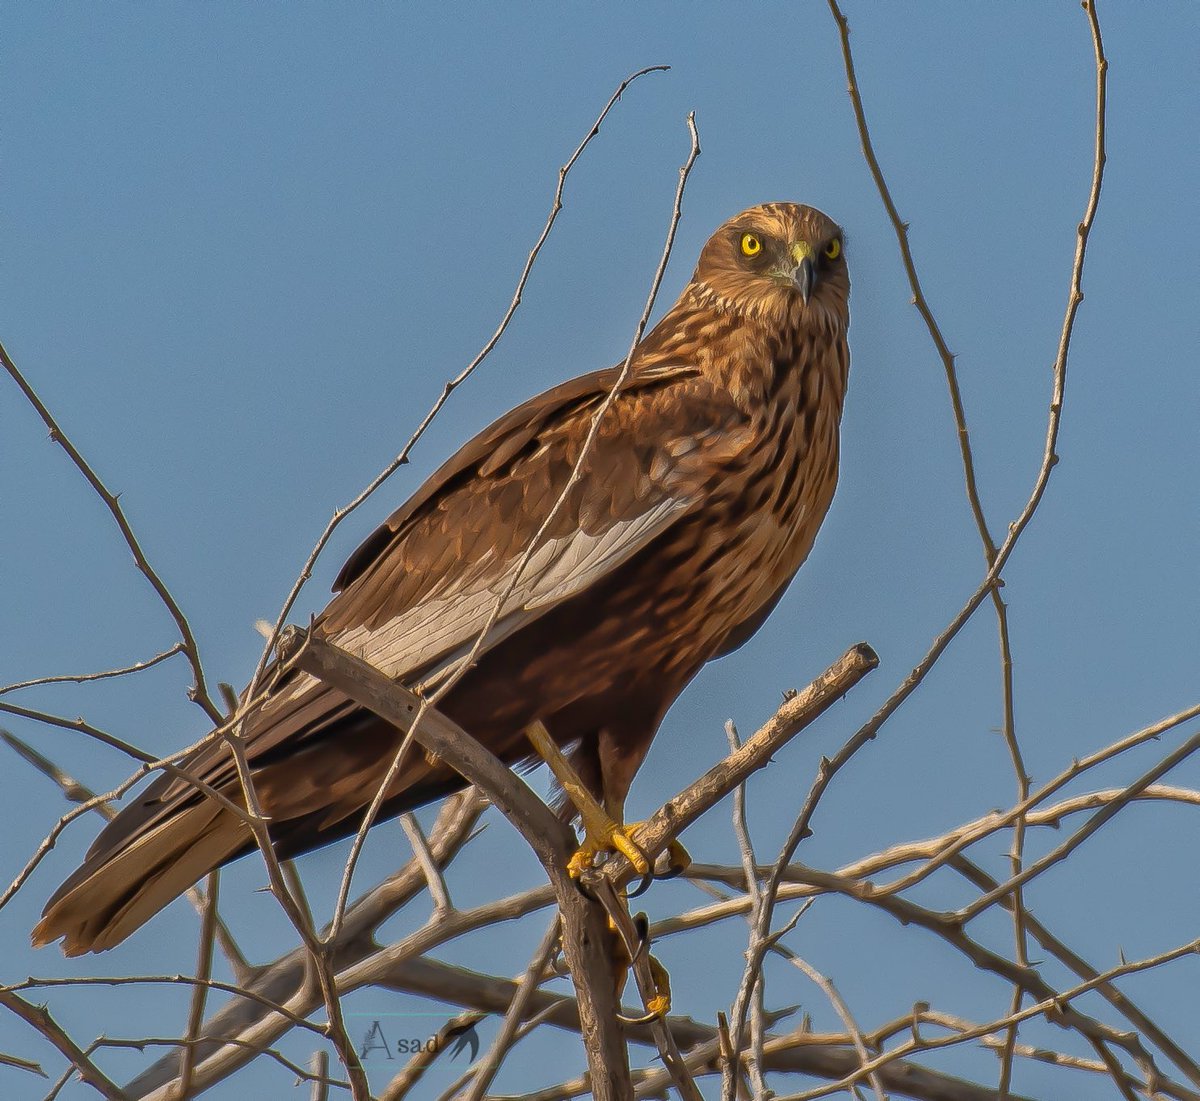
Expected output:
(466, 1036)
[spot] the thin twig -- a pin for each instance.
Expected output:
(199, 690)
(434, 879)
(840, 1008)
(204, 960)
(39, 1017)
(83, 678)
(757, 978)
(485, 1071)
(901, 227)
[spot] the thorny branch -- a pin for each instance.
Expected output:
(923, 307)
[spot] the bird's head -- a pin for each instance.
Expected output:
(781, 262)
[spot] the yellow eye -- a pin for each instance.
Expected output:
(834, 249)
(751, 245)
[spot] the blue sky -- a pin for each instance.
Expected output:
(245, 245)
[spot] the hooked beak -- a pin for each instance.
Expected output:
(805, 274)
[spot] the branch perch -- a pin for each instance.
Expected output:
(584, 930)
(583, 925)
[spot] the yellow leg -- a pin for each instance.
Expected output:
(678, 858)
(600, 832)
(660, 1004)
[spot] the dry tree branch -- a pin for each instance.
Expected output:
(284, 980)
(18, 1063)
(919, 300)
(39, 1017)
(841, 1009)
(208, 929)
(649, 977)
(795, 1052)
(866, 733)
(199, 690)
(541, 829)
(39, 983)
(583, 927)
(434, 879)
(793, 716)
(83, 678)
(318, 1077)
(483, 1073)
(749, 862)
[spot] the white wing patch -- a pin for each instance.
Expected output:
(444, 628)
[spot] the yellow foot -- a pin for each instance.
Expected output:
(603, 835)
(660, 1004)
(603, 830)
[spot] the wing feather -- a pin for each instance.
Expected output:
(416, 594)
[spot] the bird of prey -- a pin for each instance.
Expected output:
(701, 495)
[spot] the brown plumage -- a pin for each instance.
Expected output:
(699, 500)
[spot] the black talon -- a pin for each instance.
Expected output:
(642, 887)
(641, 926)
(647, 877)
(633, 1022)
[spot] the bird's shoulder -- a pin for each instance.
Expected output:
(665, 418)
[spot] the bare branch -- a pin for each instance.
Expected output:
(83, 678)
(199, 690)
(39, 1017)
(485, 1071)
(208, 929)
